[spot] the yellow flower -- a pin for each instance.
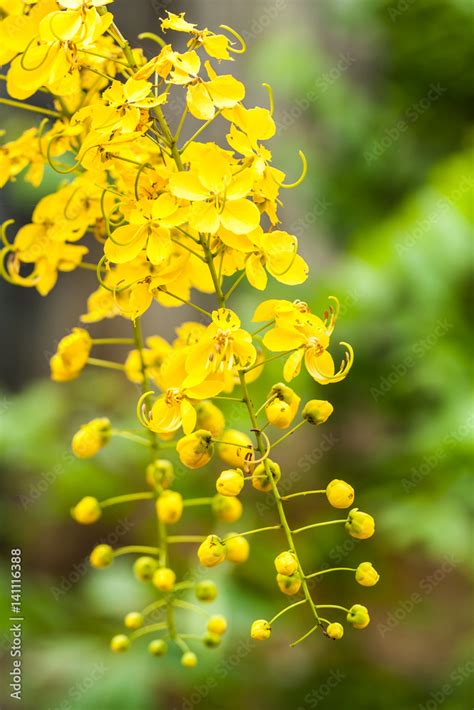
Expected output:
(210, 417)
(217, 624)
(237, 449)
(212, 551)
(238, 548)
(366, 574)
(230, 482)
(169, 507)
(261, 630)
(339, 494)
(289, 584)
(226, 508)
(358, 616)
(87, 511)
(134, 620)
(286, 563)
(144, 568)
(317, 411)
(261, 477)
(189, 659)
(335, 631)
(195, 450)
(277, 253)
(119, 643)
(153, 356)
(164, 579)
(71, 355)
(91, 437)
(282, 405)
(360, 525)
(101, 556)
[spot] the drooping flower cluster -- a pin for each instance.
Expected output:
(172, 217)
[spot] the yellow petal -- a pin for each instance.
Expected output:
(159, 245)
(199, 102)
(281, 339)
(320, 367)
(187, 186)
(205, 217)
(188, 416)
(266, 310)
(255, 272)
(295, 273)
(226, 91)
(240, 216)
(292, 366)
(128, 242)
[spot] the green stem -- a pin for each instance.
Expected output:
(252, 532)
(148, 630)
(197, 501)
(188, 303)
(127, 498)
(172, 539)
(132, 437)
(28, 107)
(287, 608)
(141, 549)
(111, 341)
(212, 270)
(308, 633)
(333, 569)
(289, 433)
(190, 607)
(268, 359)
(234, 285)
(105, 363)
(332, 606)
(302, 493)
(318, 525)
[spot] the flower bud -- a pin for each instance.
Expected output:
(206, 591)
(211, 640)
(101, 556)
(237, 450)
(230, 482)
(238, 549)
(119, 643)
(358, 616)
(212, 551)
(340, 494)
(226, 508)
(189, 659)
(360, 525)
(133, 620)
(289, 584)
(217, 624)
(164, 579)
(335, 631)
(87, 511)
(160, 473)
(260, 630)
(144, 568)
(157, 647)
(71, 355)
(91, 437)
(286, 563)
(195, 450)
(317, 411)
(210, 417)
(169, 507)
(282, 409)
(366, 574)
(261, 478)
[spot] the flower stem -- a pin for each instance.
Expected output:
(197, 501)
(303, 493)
(287, 608)
(332, 569)
(172, 539)
(308, 633)
(132, 437)
(141, 549)
(28, 107)
(105, 363)
(318, 525)
(289, 433)
(252, 532)
(111, 341)
(126, 498)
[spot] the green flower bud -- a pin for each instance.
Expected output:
(189, 659)
(358, 616)
(157, 647)
(211, 640)
(206, 591)
(134, 620)
(144, 568)
(119, 643)
(360, 525)
(101, 556)
(317, 411)
(261, 479)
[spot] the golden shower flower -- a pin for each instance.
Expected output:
(164, 579)
(101, 556)
(169, 507)
(144, 568)
(261, 630)
(335, 631)
(195, 450)
(261, 476)
(282, 405)
(206, 590)
(286, 563)
(366, 574)
(238, 548)
(212, 551)
(317, 411)
(134, 620)
(358, 616)
(87, 511)
(360, 525)
(71, 355)
(217, 624)
(289, 584)
(91, 438)
(230, 482)
(189, 659)
(119, 643)
(210, 417)
(226, 508)
(236, 449)
(340, 494)
(160, 473)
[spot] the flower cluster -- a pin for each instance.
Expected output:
(172, 217)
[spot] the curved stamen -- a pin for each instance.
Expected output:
(290, 185)
(243, 46)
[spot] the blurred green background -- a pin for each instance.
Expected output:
(377, 95)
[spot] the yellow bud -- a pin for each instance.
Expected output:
(164, 579)
(335, 631)
(360, 525)
(261, 630)
(340, 494)
(358, 616)
(195, 450)
(217, 624)
(189, 659)
(101, 556)
(366, 574)
(289, 584)
(133, 620)
(144, 568)
(237, 450)
(282, 409)
(169, 507)
(160, 473)
(317, 411)
(286, 563)
(212, 551)
(230, 482)
(206, 591)
(87, 511)
(157, 647)
(91, 437)
(227, 508)
(71, 355)
(210, 417)
(261, 478)
(238, 549)
(119, 643)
